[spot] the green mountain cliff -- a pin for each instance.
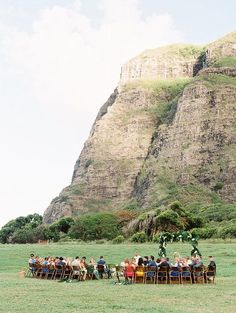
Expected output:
(167, 132)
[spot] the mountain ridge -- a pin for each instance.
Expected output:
(141, 149)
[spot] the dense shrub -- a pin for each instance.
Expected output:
(204, 233)
(156, 238)
(95, 227)
(169, 220)
(25, 235)
(119, 239)
(228, 232)
(140, 237)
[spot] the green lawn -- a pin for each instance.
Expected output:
(31, 295)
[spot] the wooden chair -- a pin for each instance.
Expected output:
(112, 269)
(150, 274)
(59, 271)
(129, 273)
(67, 272)
(163, 275)
(75, 273)
(198, 275)
(43, 271)
(120, 273)
(102, 271)
(186, 275)
(90, 271)
(174, 275)
(139, 274)
(51, 271)
(210, 274)
(31, 271)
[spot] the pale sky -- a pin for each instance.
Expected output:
(59, 62)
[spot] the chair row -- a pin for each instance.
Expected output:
(165, 275)
(59, 272)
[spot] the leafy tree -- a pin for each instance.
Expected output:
(140, 237)
(95, 226)
(31, 221)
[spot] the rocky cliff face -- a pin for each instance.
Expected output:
(160, 137)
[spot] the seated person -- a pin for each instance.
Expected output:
(61, 262)
(152, 261)
(31, 259)
(145, 260)
(32, 262)
(164, 263)
(101, 261)
(83, 267)
(136, 258)
(129, 270)
(140, 262)
(93, 263)
(76, 261)
(212, 263)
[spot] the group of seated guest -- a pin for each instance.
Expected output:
(135, 267)
(78, 266)
(138, 266)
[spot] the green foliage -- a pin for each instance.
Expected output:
(218, 186)
(169, 220)
(156, 238)
(204, 233)
(95, 227)
(142, 217)
(217, 212)
(29, 295)
(225, 62)
(216, 79)
(20, 224)
(119, 239)
(166, 95)
(139, 237)
(132, 205)
(228, 232)
(63, 224)
(25, 235)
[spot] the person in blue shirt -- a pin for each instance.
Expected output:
(101, 261)
(152, 261)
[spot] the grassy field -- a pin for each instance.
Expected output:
(31, 295)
